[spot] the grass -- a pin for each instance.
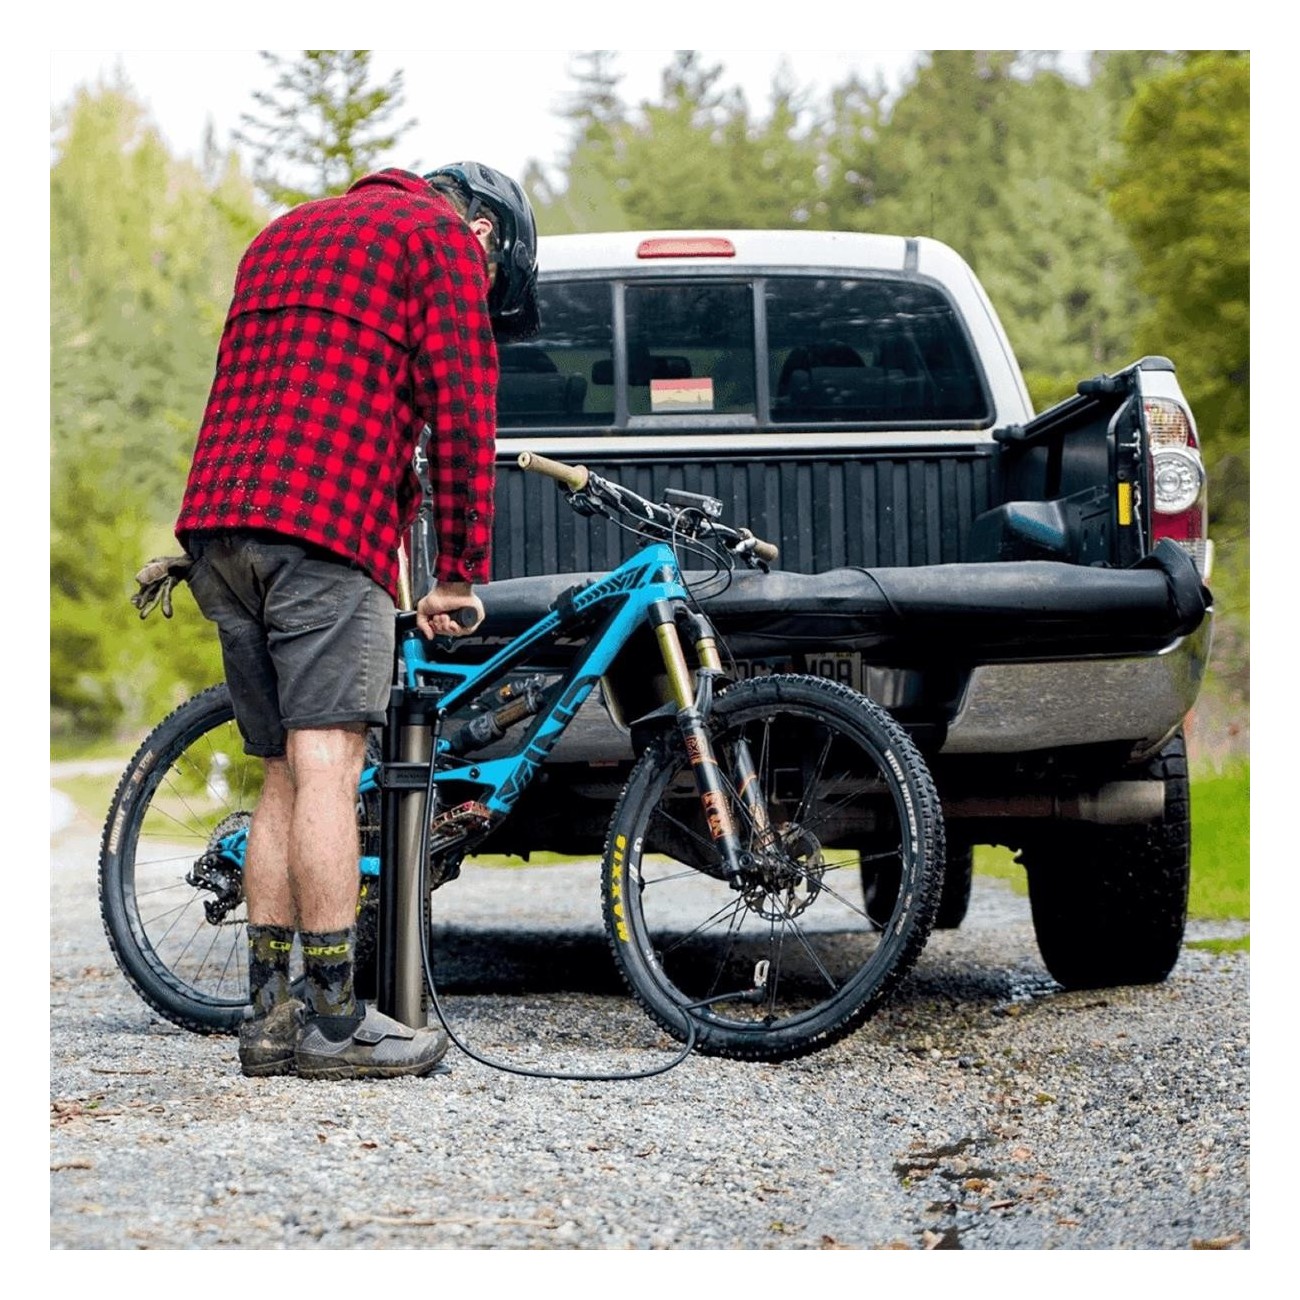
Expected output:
(1221, 844)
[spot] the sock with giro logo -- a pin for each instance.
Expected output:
(327, 963)
(269, 947)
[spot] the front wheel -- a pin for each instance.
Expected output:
(786, 959)
(171, 889)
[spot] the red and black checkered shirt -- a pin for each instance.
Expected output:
(356, 320)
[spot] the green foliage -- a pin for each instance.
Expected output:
(1221, 843)
(143, 251)
(322, 126)
(700, 159)
(697, 158)
(588, 199)
(1182, 193)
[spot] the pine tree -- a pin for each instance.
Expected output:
(587, 198)
(322, 126)
(1182, 192)
(700, 158)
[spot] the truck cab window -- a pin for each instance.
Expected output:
(553, 380)
(690, 349)
(865, 351)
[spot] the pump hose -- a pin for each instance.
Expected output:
(689, 1022)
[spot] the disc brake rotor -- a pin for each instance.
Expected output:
(789, 875)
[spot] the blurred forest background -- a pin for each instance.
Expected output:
(1107, 218)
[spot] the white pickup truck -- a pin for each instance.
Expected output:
(1024, 593)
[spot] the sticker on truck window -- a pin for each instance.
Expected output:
(671, 396)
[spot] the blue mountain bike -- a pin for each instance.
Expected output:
(737, 869)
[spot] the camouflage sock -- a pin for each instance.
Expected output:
(269, 947)
(327, 963)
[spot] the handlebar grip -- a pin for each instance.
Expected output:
(465, 616)
(572, 476)
(766, 551)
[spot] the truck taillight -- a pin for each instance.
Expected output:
(1177, 479)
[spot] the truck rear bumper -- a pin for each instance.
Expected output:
(1019, 707)
(985, 658)
(1007, 708)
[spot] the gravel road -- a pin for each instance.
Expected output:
(982, 1109)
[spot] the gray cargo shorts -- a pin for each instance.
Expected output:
(306, 638)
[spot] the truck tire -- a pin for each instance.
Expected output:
(881, 888)
(1109, 903)
(954, 898)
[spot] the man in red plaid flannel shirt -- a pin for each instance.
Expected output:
(356, 321)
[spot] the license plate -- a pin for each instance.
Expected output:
(742, 669)
(843, 666)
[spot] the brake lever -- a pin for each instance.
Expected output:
(583, 503)
(464, 617)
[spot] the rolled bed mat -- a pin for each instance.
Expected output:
(951, 613)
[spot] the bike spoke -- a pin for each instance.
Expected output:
(732, 905)
(801, 811)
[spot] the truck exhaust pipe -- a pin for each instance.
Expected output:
(1118, 803)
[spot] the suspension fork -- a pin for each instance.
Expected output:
(692, 695)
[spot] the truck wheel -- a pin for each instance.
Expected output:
(955, 898)
(880, 886)
(1110, 902)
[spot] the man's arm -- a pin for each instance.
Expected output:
(455, 366)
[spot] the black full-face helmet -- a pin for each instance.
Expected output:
(512, 301)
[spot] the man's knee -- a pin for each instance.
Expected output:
(325, 752)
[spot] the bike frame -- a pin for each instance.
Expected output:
(646, 589)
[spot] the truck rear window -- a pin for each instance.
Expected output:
(867, 350)
(564, 376)
(741, 352)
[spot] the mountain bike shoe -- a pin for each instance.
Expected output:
(266, 1045)
(372, 1047)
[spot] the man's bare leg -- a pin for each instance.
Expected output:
(323, 844)
(266, 861)
(300, 869)
(324, 848)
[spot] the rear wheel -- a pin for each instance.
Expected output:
(1110, 902)
(171, 887)
(788, 959)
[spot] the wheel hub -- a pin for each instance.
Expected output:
(787, 875)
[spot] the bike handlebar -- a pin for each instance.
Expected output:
(768, 552)
(578, 478)
(574, 477)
